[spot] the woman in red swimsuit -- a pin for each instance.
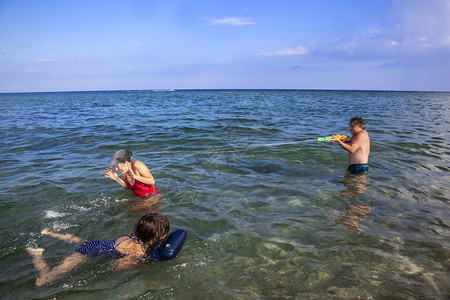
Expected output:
(136, 175)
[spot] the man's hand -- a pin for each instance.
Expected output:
(335, 139)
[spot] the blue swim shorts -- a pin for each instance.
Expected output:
(358, 168)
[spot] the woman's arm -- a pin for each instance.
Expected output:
(133, 254)
(126, 262)
(111, 173)
(142, 173)
(132, 250)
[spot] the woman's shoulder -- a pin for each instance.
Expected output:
(137, 163)
(128, 246)
(139, 166)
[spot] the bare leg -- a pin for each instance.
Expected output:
(67, 237)
(352, 216)
(47, 275)
(361, 210)
(38, 260)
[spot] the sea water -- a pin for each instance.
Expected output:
(270, 211)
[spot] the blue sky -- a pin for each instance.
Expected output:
(310, 44)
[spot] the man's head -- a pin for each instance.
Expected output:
(357, 121)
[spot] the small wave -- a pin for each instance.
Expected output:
(121, 200)
(78, 208)
(50, 214)
(57, 226)
(100, 202)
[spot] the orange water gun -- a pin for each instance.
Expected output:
(329, 138)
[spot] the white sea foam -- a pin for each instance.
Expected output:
(97, 202)
(50, 214)
(57, 226)
(121, 200)
(78, 208)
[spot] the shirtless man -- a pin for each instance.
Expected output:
(358, 147)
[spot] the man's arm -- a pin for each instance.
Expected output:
(354, 144)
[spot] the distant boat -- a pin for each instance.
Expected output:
(164, 90)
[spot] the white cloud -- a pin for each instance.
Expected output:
(284, 52)
(421, 22)
(232, 21)
(446, 41)
(412, 28)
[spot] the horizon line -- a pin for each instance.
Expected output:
(156, 90)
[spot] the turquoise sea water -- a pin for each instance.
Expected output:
(268, 209)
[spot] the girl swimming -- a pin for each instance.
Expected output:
(130, 250)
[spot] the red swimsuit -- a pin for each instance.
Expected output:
(141, 189)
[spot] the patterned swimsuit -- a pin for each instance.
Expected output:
(95, 248)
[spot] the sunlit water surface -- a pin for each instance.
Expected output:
(270, 211)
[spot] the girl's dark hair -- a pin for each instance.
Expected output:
(151, 228)
(358, 121)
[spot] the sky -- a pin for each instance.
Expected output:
(85, 45)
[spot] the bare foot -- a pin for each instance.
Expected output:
(40, 281)
(34, 251)
(45, 231)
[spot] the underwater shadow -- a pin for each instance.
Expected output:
(355, 184)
